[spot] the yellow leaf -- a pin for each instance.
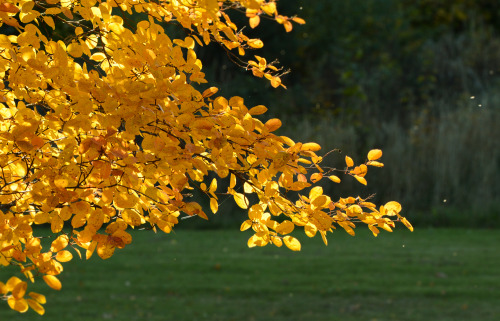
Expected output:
(254, 21)
(246, 225)
(64, 256)
(374, 230)
(360, 179)
(276, 82)
(277, 241)
(374, 154)
(61, 181)
(315, 192)
(213, 186)
(285, 227)
(269, 8)
(374, 163)
(125, 200)
(241, 200)
(407, 224)
(125, 238)
(247, 188)
(98, 56)
(90, 250)
(95, 220)
(214, 206)
(40, 298)
(257, 110)
(12, 283)
(316, 177)
(19, 290)
(288, 26)
(105, 250)
(258, 239)
(360, 170)
(312, 147)
(349, 162)
(320, 202)
(334, 178)
(37, 307)
(53, 282)
(299, 20)
(210, 91)
(75, 50)
(59, 243)
(273, 124)
(56, 223)
(131, 217)
(255, 43)
(323, 236)
(310, 229)
(18, 305)
(292, 243)
(392, 208)
(188, 42)
(232, 181)
(252, 241)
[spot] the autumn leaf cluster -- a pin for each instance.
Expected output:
(107, 130)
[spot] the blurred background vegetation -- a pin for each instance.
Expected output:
(418, 79)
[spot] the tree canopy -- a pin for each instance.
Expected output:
(108, 124)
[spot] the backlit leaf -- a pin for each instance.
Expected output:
(392, 208)
(210, 91)
(19, 305)
(277, 241)
(36, 306)
(316, 177)
(254, 21)
(349, 162)
(53, 282)
(360, 179)
(299, 20)
(285, 227)
(241, 200)
(214, 206)
(406, 223)
(40, 298)
(375, 163)
(334, 178)
(64, 256)
(246, 225)
(257, 110)
(105, 250)
(374, 154)
(19, 290)
(313, 147)
(273, 124)
(255, 43)
(59, 243)
(292, 243)
(75, 50)
(310, 229)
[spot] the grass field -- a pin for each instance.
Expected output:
(431, 274)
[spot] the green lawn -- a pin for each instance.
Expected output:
(431, 274)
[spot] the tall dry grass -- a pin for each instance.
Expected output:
(445, 170)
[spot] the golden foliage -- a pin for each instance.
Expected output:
(107, 130)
